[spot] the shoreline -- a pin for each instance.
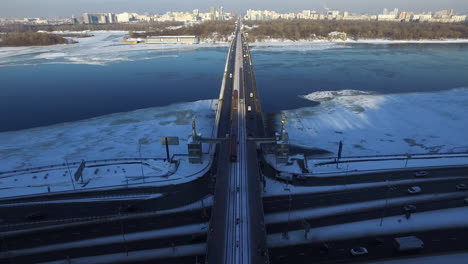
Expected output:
(360, 41)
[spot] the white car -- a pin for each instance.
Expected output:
(249, 108)
(421, 174)
(414, 190)
(230, 75)
(359, 251)
(409, 208)
(251, 95)
(461, 187)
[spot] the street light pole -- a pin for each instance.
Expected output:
(69, 172)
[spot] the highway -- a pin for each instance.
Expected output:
(435, 241)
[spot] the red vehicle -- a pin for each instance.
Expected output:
(235, 100)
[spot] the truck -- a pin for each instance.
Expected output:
(408, 243)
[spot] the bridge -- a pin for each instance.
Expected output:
(237, 230)
(172, 224)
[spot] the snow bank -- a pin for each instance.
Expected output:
(194, 229)
(276, 188)
(419, 222)
(375, 124)
(315, 213)
(122, 135)
(422, 41)
(285, 45)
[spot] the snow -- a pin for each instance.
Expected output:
(195, 229)
(277, 188)
(136, 256)
(274, 45)
(378, 124)
(103, 48)
(413, 41)
(419, 222)
(104, 142)
(88, 200)
(454, 258)
(320, 212)
(381, 165)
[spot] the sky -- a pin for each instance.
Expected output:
(67, 8)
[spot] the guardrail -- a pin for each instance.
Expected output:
(388, 155)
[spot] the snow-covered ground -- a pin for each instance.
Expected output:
(195, 229)
(122, 135)
(277, 188)
(103, 48)
(424, 221)
(376, 124)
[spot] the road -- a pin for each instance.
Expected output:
(237, 233)
(329, 198)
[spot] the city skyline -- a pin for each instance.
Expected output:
(67, 8)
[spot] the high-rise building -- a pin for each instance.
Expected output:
(212, 13)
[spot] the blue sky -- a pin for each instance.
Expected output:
(53, 8)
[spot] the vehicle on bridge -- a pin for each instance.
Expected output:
(230, 75)
(359, 251)
(249, 108)
(409, 243)
(421, 174)
(414, 190)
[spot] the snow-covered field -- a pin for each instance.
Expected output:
(376, 124)
(103, 48)
(122, 135)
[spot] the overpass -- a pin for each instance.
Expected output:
(237, 230)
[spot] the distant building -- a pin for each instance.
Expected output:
(172, 40)
(99, 18)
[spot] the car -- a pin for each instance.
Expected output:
(421, 174)
(249, 108)
(359, 251)
(461, 187)
(251, 95)
(414, 190)
(409, 208)
(230, 75)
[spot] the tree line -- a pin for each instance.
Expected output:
(31, 39)
(319, 29)
(217, 30)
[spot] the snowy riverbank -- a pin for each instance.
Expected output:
(103, 48)
(130, 135)
(379, 124)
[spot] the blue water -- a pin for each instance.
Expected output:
(47, 94)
